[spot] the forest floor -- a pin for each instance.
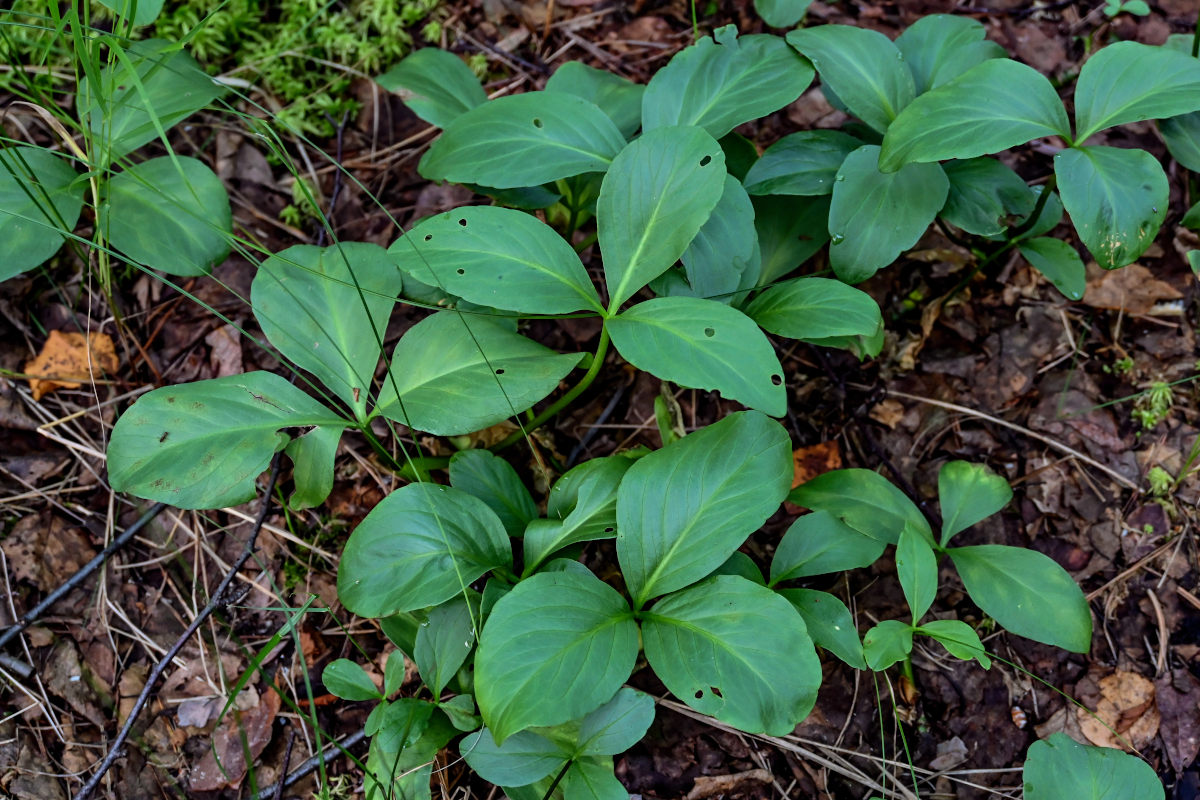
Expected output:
(1052, 394)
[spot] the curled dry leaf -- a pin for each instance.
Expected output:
(1125, 713)
(1133, 289)
(815, 460)
(68, 359)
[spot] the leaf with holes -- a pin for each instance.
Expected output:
(453, 374)
(494, 481)
(422, 545)
(803, 163)
(819, 543)
(556, 647)
(967, 494)
(940, 47)
(1129, 81)
(702, 344)
(39, 202)
(735, 650)
(582, 507)
(829, 624)
(682, 510)
(811, 309)
(660, 191)
(619, 98)
(864, 500)
(327, 309)
(435, 84)
(523, 140)
(986, 197)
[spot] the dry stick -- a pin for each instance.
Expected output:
(311, 764)
(220, 597)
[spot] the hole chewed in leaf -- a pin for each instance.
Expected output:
(709, 332)
(716, 691)
(463, 222)
(537, 123)
(704, 162)
(461, 271)
(699, 693)
(777, 380)
(500, 371)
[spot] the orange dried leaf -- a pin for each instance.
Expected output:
(67, 361)
(815, 460)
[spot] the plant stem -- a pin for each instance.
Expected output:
(1196, 38)
(557, 780)
(1028, 224)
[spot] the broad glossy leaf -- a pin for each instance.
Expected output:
(445, 639)
(740, 154)
(803, 163)
(967, 494)
(1129, 81)
(202, 445)
(991, 107)
(420, 546)
(790, 231)
(820, 543)
(401, 629)
(781, 13)
(875, 216)
(681, 511)
(702, 344)
(1182, 135)
(660, 191)
(312, 455)
(829, 624)
(497, 257)
(327, 309)
(524, 140)
(582, 507)
(916, 566)
(986, 197)
(743, 566)
(1059, 767)
(1117, 200)
(495, 482)
(814, 309)
(864, 500)
(393, 673)
(523, 758)
(143, 12)
(435, 84)
(347, 680)
(1026, 592)
(590, 779)
(863, 67)
(724, 80)
(959, 639)
(735, 650)
(885, 644)
(169, 213)
(617, 725)
(37, 200)
(555, 648)
(152, 86)
(940, 47)
(619, 98)
(453, 374)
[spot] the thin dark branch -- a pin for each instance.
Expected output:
(287, 759)
(219, 598)
(337, 177)
(311, 764)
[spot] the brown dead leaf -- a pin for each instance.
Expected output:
(224, 764)
(226, 356)
(720, 785)
(45, 551)
(70, 679)
(1133, 289)
(1177, 695)
(35, 779)
(68, 359)
(888, 412)
(815, 460)
(1125, 708)
(129, 686)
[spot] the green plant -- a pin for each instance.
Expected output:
(1136, 7)
(1153, 405)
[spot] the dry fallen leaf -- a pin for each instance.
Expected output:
(815, 460)
(1133, 289)
(64, 362)
(1178, 700)
(1126, 707)
(224, 764)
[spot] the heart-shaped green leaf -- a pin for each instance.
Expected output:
(435, 84)
(803, 163)
(864, 500)
(1059, 767)
(940, 47)
(37, 201)
(495, 482)
(1129, 81)
(619, 98)
(814, 309)
(593, 779)
(969, 493)
(829, 623)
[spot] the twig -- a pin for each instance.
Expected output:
(219, 598)
(283, 770)
(311, 764)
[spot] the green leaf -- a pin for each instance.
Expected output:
(741, 565)
(420, 546)
(1026, 592)
(496, 483)
(400, 761)
(660, 191)
(702, 344)
(201, 445)
(815, 308)
(1052, 214)
(327, 310)
(734, 650)
(969, 493)
(150, 87)
(312, 454)
(863, 67)
(1182, 135)
(864, 500)
(991, 107)
(1191, 219)
(724, 251)
(435, 84)
(588, 779)
(143, 11)
(347, 680)
(790, 231)
(940, 47)
(401, 629)
(986, 197)
(681, 511)
(615, 726)
(460, 710)
(556, 647)
(916, 566)
(1059, 767)
(1117, 200)
(819, 543)
(885, 644)
(803, 163)
(959, 639)
(445, 640)
(169, 213)
(875, 216)
(393, 673)
(453, 374)
(781, 13)
(829, 623)
(582, 507)
(37, 201)
(497, 257)
(1127, 82)
(722, 81)
(619, 98)
(523, 140)
(740, 154)
(523, 758)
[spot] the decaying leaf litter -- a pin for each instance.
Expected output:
(1005, 371)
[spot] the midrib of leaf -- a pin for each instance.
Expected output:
(614, 304)
(703, 633)
(536, 266)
